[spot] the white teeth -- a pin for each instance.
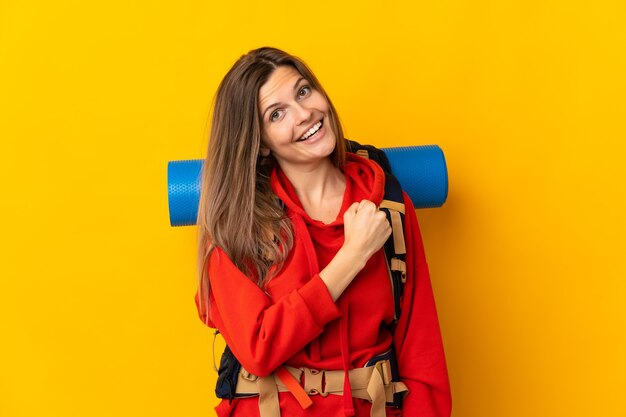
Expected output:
(311, 131)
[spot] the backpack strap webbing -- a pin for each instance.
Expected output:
(393, 206)
(395, 246)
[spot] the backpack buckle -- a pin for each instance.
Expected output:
(314, 382)
(248, 376)
(400, 266)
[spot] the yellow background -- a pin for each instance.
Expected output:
(526, 98)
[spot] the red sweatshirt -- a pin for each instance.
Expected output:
(295, 321)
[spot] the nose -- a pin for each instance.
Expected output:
(302, 113)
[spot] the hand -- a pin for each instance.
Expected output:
(366, 229)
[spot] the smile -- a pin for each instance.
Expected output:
(316, 127)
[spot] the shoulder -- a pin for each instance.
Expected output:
(219, 261)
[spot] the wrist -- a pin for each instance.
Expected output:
(352, 257)
(340, 271)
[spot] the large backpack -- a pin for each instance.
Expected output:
(395, 252)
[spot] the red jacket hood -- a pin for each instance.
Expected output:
(365, 180)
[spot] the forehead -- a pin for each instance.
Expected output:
(280, 83)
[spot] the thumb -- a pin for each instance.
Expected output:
(351, 211)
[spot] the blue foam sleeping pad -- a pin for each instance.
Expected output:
(421, 171)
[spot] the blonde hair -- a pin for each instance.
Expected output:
(238, 211)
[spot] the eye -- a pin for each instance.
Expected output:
(304, 91)
(275, 115)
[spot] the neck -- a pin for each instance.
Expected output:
(315, 184)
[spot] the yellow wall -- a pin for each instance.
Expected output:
(527, 99)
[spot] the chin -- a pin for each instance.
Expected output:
(329, 148)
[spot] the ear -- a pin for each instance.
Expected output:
(264, 151)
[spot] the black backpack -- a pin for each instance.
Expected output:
(395, 251)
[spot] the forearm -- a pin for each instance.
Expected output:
(340, 271)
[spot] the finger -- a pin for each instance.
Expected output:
(367, 206)
(381, 215)
(351, 211)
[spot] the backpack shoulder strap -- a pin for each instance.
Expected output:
(393, 206)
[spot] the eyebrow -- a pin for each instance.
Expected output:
(278, 104)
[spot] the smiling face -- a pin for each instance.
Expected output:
(295, 120)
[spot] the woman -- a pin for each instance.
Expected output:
(291, 269)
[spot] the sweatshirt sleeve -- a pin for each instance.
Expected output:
(262, 334)
(417, 338)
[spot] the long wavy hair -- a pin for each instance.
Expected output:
(238, 211)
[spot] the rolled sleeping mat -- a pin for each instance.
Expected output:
(421, 171)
